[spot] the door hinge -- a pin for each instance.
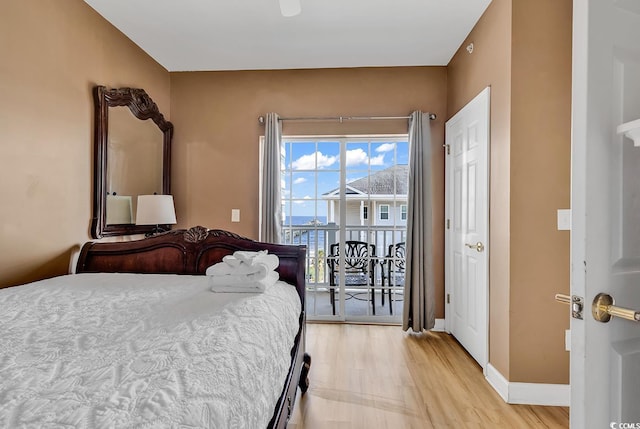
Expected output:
(448, 299)
(448, 149)
(448, 223)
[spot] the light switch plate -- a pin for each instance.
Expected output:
(235, 215)
(564, 219)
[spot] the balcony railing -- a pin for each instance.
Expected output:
(319, 237)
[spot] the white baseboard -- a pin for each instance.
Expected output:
(498, 382)
(528, 393)
(439, 326)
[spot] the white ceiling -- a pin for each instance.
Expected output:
(189, 35)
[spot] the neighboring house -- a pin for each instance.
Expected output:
(379, 199)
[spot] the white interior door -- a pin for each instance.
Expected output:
(605, 200)
(467, 231)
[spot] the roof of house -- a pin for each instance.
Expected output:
(392, 180)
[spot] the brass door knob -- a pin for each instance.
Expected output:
(478, 246)
(603, 309)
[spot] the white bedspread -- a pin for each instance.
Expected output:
(142, 350)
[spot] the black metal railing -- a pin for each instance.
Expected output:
(319, 237)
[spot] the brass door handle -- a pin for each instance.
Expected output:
(478, 246)
(603, 309)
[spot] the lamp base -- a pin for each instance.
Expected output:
(158, 229)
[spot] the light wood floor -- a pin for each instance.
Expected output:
(365, 376)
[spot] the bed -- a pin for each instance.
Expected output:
(136, 338)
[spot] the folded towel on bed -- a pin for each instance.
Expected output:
(242, 262)
(224, 269)
(242, 256)
(243, 283)
(244, 271)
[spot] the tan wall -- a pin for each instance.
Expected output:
(215, 162)
(468, 74)
(540, 184)
(523, 51)
(52, 54)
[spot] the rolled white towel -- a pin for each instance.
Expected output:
(250, 273)
(224, 269)
(240, 283)
(244, 262)
(219, 269)
(231, 260)
(247, 255)
(250, 258)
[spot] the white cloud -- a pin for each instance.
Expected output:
(377, 160)
(359, 156)
(299, 180)
(306, 197)
(308, 162)
(356, 157)
(386, 147)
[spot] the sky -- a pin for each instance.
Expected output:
(312, 168)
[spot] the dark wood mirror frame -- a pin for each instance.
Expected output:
(143, 108)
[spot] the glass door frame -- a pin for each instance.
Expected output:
(343, 230)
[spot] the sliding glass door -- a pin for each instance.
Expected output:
(346, 199)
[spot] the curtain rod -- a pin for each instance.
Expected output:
(261, 119)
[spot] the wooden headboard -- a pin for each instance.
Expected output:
(186, 252)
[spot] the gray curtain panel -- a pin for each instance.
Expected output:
(271, 209)
(419, 308)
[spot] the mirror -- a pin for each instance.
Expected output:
(132, 157)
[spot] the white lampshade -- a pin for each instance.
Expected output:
(119, 209)
(155, 210)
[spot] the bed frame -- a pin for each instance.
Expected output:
(191, 252)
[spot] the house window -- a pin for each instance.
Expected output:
(384, 212)
(403, 212)
(365, 212)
